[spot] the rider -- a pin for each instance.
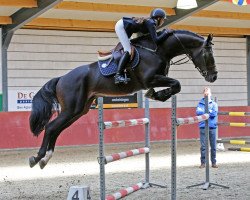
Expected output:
(126, 26)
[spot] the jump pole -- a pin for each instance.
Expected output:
(207, 182)
(176, 122)
(239, 149)
(235, 114)
(173, 149)
(103, 160)
(181, 121)
(237, 142)
(220, 142)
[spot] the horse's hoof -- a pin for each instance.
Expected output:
(150, 94)
(32, 161)
(42, 164)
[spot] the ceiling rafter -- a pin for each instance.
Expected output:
(95, 25)
(101, 7)
(222, 15)
(214, 30)
(19, 3)
(70, 24)
(88, 25)
(5, 20)
(203, 13)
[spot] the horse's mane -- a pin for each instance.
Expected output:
(188, 33)
(148, 37)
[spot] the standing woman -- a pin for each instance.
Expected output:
(126, 26)
(212, 123)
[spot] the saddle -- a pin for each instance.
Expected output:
(116, 53)
(108, 60)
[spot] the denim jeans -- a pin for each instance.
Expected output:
(212, 139)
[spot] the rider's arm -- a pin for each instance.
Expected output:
(151, 26)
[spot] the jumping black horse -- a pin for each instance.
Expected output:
(76, 90)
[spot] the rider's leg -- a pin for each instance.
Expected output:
(123, 37)
(119, 78)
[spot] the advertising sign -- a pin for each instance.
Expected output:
(129, 101)
(20, 100)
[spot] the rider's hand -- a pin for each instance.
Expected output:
(169, 31)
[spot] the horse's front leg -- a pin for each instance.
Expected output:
(173, 85)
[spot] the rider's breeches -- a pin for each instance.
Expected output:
(122, 35)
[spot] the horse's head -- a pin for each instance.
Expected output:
(203, 59)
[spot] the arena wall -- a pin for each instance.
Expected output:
(35, 56)
(15, 132)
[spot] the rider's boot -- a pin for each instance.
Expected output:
(122, 63)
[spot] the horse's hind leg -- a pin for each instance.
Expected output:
(51, 146)
(54, 127)
(59, 124)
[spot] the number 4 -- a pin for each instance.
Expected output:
(75, 196)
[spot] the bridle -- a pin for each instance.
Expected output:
(204, 73)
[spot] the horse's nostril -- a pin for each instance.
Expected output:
(214, 78)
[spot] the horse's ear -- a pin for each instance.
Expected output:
(209, 39)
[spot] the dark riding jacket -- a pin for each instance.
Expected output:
(148, 26)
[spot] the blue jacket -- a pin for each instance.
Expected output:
(213, 112)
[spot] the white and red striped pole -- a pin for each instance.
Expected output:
(124, 192)
(192, 120)
(134, 152)
(125, 123)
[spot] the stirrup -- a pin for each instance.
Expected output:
(126, 78)
(120, 79)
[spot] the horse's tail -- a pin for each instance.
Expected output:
(42, 105)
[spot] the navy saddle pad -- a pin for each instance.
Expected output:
(109, 67)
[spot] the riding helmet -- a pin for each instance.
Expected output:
(158, 12)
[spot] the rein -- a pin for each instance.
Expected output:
(186, 52)
(202, 72)
(178, 62)
(148, 49)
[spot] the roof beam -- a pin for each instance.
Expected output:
(5, 20)
(222, 15)
(214, 30)
(103, 7)
(25, 15)
(70, 24)
(19, 3)
(181, 14)
(88, 25)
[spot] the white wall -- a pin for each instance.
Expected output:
(35, 56)
(231, 85)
